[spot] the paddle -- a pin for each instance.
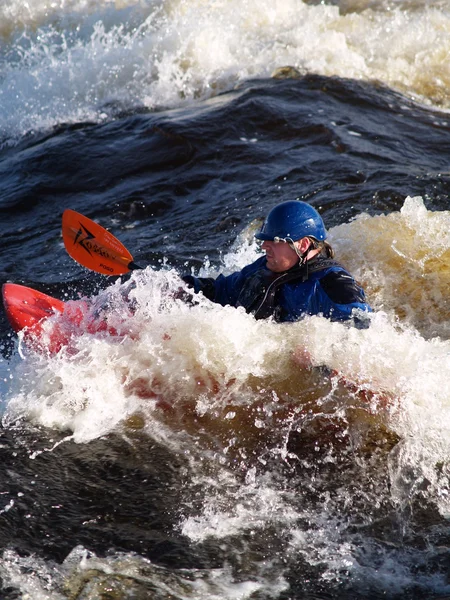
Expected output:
(94, 247)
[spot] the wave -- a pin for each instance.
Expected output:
(269, 447)
(177, 360)
(83, 61)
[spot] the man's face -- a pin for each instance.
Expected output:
(280, 256)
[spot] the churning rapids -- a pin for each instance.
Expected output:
(195, 457)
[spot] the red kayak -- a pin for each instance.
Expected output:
(28, 311)
(49, 324)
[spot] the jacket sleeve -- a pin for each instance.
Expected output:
(225, 289)
(222, 290)
(340, 295)
(201, 284)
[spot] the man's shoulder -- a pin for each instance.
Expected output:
(341, 287)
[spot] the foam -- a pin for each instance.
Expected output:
(82, 572)
(222, 389)
(80, 61)
(179, 352)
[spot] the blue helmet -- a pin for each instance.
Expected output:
(293, 220)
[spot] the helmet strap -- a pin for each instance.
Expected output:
(302, 256)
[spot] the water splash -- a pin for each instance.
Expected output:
(80, 61)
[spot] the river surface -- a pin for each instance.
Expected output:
(194, 456)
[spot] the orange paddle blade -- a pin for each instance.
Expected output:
(93, 246)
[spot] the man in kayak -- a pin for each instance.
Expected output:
(298, 275)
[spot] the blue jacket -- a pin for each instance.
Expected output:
(322, 286)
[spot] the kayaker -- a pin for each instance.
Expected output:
(298, 275)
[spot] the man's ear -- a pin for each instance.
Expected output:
(303, 245)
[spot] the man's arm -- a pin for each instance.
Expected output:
(342, 295)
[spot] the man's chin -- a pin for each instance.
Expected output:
(273, 267)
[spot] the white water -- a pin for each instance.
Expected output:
(39, 580)
(71, 61)
(402, 265)
(206, 354)
(204, 360)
